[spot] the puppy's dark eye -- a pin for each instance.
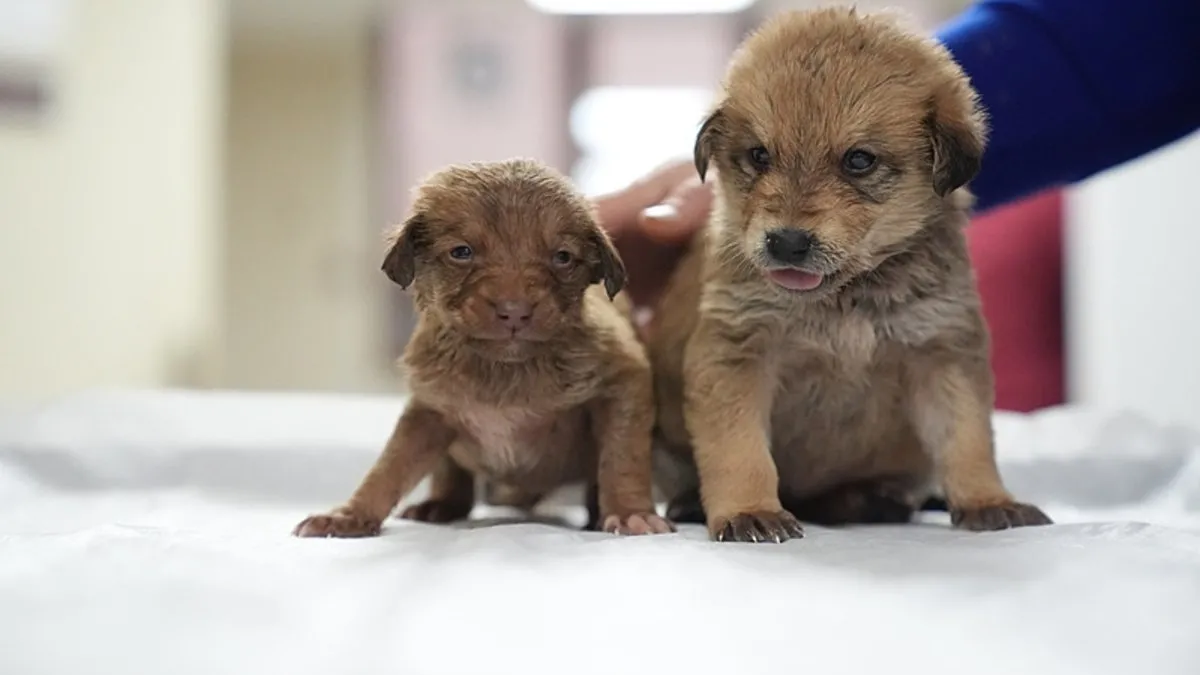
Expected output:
(461, 253)
(562, 258)
(858, 162)
(760, 159)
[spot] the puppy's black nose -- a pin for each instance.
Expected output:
(514, 313)
(789, 246)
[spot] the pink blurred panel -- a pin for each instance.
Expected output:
(432, 116)
(1018, 254)
(674, 51)
(433, 112)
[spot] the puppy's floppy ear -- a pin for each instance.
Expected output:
(608, 266)
(705, 141)
(400, 264)
(957, 131)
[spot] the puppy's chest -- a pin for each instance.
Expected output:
(838, 365)
(845, 343)
(854, 341)
(839, 401)
(510, 441)
(542, 384)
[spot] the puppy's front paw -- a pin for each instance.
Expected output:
(998, 517)
(638, 523)
(341, 523)
(762, 526)
(438, 511)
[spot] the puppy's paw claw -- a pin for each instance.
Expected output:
(437, 511)
(341, 523)
(759, 527)
(638, 524)
(998, 517)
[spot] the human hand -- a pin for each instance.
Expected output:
(650, 221)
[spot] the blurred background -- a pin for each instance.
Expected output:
(192, 192)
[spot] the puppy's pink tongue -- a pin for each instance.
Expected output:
(796, 280)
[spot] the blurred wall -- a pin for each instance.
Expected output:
(467, 80)
(108, 208)
(1133, 326)
(204, 205)
(303, 294)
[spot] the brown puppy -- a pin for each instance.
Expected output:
(820, 350)
(522, 370)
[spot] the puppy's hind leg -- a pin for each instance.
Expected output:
(675, 475)
(592, 501)
(451, 495)
(934, 503)
(496, 493)
(686, 507)
(858, 503)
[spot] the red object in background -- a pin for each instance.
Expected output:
(1018, 255)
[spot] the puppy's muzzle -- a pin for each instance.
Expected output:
(513, 314)
(789, 247)
(790, 253)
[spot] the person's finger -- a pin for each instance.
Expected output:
(682, 213)
(659, 182)
(618, 211)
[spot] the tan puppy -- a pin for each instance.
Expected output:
(522, 370)
(821, 347)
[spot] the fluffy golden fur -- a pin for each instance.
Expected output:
(524, 367)
(820, 353)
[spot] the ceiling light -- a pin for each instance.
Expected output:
(640, 6)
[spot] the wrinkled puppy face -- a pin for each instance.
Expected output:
(502, 252)
(837, 137)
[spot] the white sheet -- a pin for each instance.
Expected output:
(147, 532)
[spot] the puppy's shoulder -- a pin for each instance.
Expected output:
(610, 328)
(617, 357)
(434, 358)
(935, 297)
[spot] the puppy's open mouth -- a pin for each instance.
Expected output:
(796, 280)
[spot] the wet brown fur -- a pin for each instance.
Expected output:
(570, 402)
(854, 401)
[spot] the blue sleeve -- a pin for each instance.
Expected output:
(1074, 87)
